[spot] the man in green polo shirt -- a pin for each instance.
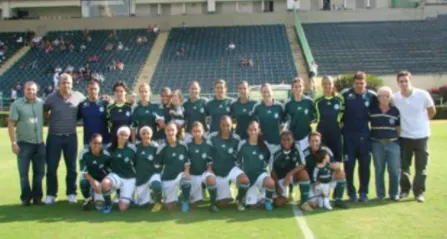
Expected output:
(25, 126)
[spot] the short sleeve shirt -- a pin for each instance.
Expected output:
(29, 120)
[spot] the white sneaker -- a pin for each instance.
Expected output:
(327, 204)
(72, 199)
(320, 202)
(240, 206)
(50, 200)
(420, 198)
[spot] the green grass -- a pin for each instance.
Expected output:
(405, 219)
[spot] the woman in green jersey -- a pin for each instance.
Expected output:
(143, 114)
(194, 108)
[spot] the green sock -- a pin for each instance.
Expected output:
(242, 191)
(185, 186)
(84, 185)
(213, 194)
(156, 191)
(269, 194)
(304, 191)
(340, 189)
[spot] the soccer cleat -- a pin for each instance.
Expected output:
(240, 206)
(353, 197)
(268, 205)
(86, 204)
(403, 195)
(185, 207)
(50, 200)
(363, 198)
(214, 208)
(106, 209)
(72, 199)
(340, 204)
(327, 204)
(420, 198)
(306, 207)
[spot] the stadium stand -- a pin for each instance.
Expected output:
(9, 45)
(39, 65)
(206, 56)
(379, 47)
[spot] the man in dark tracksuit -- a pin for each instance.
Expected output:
(356, 134)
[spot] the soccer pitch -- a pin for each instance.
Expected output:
(376, 220)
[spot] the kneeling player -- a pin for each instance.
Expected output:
(147, 174)
(172, 156)
(201, 167)
(122, 177)
(93, 165)
(254, 156)
(289, 168)
(224, 147)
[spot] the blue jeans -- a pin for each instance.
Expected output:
(68, 145)
(387, 155)
(34, 154)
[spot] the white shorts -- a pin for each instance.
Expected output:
(317, 190)
(272, 148)
(143, 194)
(170, 189)
(303, 143)
(196, 186)
(125, 185)
(284, 188)
(256, 192)
(223, 183)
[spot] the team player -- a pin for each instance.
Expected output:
(311, 157)
(162, 114)
(143, 113)
(224, 148)
(240, 110)
(172, 157)
(322, 177)
(289, 168)
(219, 106)
(93, 170)
(328, 113)
(356, 134)
(199, 153)
(194, 108)
(119, 113)
(148, 181)
(121, 163)
(299, 110)
(253, 157)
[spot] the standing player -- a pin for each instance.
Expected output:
(121, 163)
(328, 113)
(93, 170)
(201, 167)
(194, 108)
(300, 112)
(147, 174)
(162, 114)
(144, 112)
(219, 106)
(224, 148)
(119, 112)
(240, 110)
(356, 134)
(172, 156)
(253, 156)
(289, 168)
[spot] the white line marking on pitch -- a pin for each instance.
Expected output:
(302, 224)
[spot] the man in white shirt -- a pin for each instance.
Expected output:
(416, 109)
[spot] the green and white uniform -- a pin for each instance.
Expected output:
(161, 113)
(324, 176)
(194, 111)
(95, 166)
(216, 109)
(283, 163)
(147, 174)
(270, 118)
(200, 156)
(144, 115)
(241, 112)
(300, 115)
(172, 161)
(121, 163)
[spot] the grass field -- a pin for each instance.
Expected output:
(376, 220)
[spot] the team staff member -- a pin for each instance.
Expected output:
(339, 179)
(356, 134)
(224, 148)
(119, 113)
(26, 116)
(416, 108)
(289, 168)
(300, 112)
(328, 113)
(62, 106)
(241, 108)
(194, 108)
(144, 112)
(219, 106)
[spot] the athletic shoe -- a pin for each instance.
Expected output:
(185, 207)
(268, 205)
(38, 202)
(240, 206)
(353, 197)
(306, 207)
(214, 208)
(86, 204)
(380, 198)
(340, 204)
(403, 195)
(327, 204)
(26, 203)
(106, 209)
(363, 198)
(395, 198)
(420, 198)
(72, 199)
(50, 200)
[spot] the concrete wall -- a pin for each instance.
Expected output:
(36, 12)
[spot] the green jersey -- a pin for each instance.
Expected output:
(284, 162)
(300, 115)
(161, 112)
(200, 156)
(95, 165)
(172, 160)
(241, 112)
(311, 161)
(223, 153)
(216, 109)
(145, 162)
(323, 175)
(121, 161)
(252, 159)
(195, 111)
(270, 118)
(144, 115)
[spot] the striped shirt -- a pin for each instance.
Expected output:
(383, 124)
(63, 112)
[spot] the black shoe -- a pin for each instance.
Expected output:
(403, 195)
(26, 203)
(38, 202)
(340, 204)
(86, 204)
